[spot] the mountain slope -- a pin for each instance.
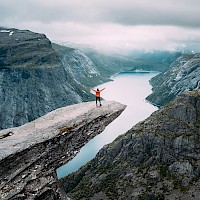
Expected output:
(110, 64)
(164, 57)
(157, 159)
(35, 80)
(79, 67)
(183, 75)
(114, 63)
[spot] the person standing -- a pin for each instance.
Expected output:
(98, 96)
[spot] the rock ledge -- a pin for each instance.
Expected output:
(30, 154)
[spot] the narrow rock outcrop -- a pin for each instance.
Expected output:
(158, 158)
(30, 154)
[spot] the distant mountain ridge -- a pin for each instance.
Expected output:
(116, 61)
(131, 62)
(164, 57)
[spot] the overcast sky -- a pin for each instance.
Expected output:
(125, 24)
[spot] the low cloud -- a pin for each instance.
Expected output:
(124, 12)
(114, 23)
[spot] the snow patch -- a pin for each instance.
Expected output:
(142, 71)
(178, 77)
(11, 33)
(5, 31)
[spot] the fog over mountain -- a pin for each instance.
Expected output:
(112, 25)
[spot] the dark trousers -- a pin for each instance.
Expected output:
(98, 99)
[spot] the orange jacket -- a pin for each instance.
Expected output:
(98, 92)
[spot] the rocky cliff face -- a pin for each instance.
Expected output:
(34, 79)
(30, 154)
(79, 67)
(183, 75)
(158, 158)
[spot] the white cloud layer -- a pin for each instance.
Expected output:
(144, 24)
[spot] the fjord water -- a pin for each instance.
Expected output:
(127, 88)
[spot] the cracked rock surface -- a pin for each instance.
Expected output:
(30, 154)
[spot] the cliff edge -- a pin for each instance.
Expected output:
(30, 154)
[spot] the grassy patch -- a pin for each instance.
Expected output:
(65, 129)
(164, 172)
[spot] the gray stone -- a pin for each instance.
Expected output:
(31, 154)
(36, 79)
(181, 168)
(183, 75)
(157, 159)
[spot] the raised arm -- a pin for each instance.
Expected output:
(102, 89)
(93, 90)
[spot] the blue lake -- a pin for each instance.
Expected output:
(130, 89)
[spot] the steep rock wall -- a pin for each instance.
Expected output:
(35, 79)
(158, 158)
(183, 75)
